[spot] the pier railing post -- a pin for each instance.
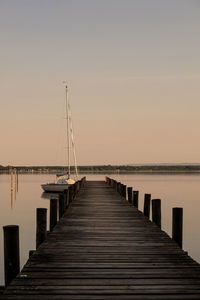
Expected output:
(41, 226)
(71, 193)
(118, 187)
(53, 213)
(124, 191)
(156, 212)
(11, 252)
(130, 194)
(66, 197)
(147, 204)
(177, 225)
(61, 205)
(135, 198)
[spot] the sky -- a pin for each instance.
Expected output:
(133, 71)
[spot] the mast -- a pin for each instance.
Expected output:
(68, 131)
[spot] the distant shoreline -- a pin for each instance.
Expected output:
(107, 169)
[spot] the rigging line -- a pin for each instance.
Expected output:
(73, 144)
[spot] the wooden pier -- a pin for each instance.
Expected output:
(104, 248)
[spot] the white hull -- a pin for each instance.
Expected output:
(53, 187)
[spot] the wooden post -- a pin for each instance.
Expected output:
(177, 225)
(156, 212)
(53, 213)
(130, 194)
(118, 187)
(124, 191)
(11, 182)
(70, 188)
(61, 205)
(78, 186)
(147, 204)
(11, 252)
(31, 252)
(66, 197)
(135, 198)
(41, 226)
(75, 189)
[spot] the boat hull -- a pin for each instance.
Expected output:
(53, 187)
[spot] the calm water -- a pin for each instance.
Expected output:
(174, 190)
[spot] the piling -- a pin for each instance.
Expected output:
(66, 197)
(135, 198)
(41, 226)
(147, 204)
(156, 212)
(31, 252)
(11, 180)
(124, 191)
(53, 213)
(61, 205)
(177, 225)
(130, 194)
(71, 193)
(11, 252)
(118, 187)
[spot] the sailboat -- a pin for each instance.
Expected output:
(64, 180)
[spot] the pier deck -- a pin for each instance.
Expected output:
(104, 248)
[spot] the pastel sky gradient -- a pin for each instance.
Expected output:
(133, 69)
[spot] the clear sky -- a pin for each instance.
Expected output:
(133, 69)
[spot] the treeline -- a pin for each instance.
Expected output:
(105, 168)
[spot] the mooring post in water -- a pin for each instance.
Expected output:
(66, 198)
(177, 225)
(78, 185)
(61, 205)
(11, 252)
(130, 194)
(116, 185)
(31, 252)
(70, 188)
(41, 227)
(83, 181)
(135, 198)
(119, 187)
(11, 180)
(156, 212)
(124, 191)
(147, 204)
(75, 189)
(53, 213)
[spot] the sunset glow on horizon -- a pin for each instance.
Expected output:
(133, 72)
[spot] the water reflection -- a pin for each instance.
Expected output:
(13, 186)
(11, 198)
